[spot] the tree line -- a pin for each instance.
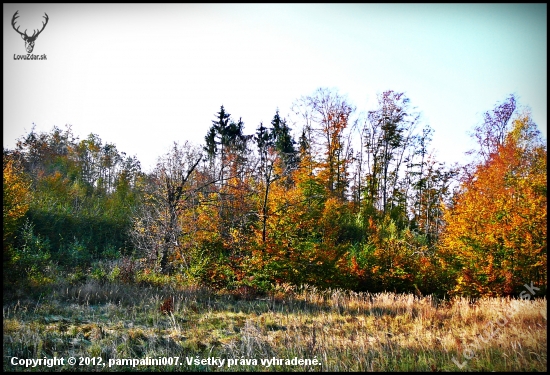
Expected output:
(354, 201)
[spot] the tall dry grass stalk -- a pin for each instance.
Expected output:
(344, 331)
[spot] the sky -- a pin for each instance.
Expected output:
(143, 76)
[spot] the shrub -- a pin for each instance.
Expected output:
(32, 257)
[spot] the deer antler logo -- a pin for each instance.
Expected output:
(29, 40)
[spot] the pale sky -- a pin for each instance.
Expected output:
(142, 76)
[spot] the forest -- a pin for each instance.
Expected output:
(331, 199)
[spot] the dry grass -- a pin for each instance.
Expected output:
(344, 331)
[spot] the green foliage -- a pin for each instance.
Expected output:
(198, 269)
(32, 257)
(153, 278)
(83, 194)
(75, 254)
(98, 273)
(394, 259)
(111, 252)
(114, 274)
(78, 276)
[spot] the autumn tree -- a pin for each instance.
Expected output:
(326, 116)
(398, 191)
(80, 216)
(431, 190)
(491, 133)
(425, 188)
(227, 151)
(495, 234)
(16, 196)
(264, 143)
(277, 159)
(388, 135)
(303, 237)
(44, 153)
(156, 228)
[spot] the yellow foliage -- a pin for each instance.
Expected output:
(16, 198)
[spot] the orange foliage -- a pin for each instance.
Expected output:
(495, 237)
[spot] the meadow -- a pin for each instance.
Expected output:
(288, 329)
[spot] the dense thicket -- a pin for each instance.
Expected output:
(358, 201)
(83, 197)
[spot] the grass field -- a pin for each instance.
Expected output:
(292, 329)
